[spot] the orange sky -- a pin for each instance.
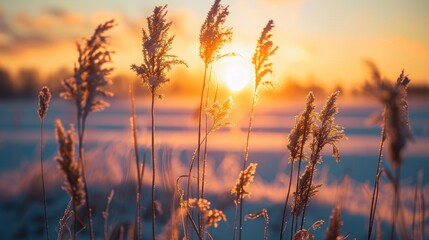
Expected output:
(320, 41)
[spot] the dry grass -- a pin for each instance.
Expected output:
(311, 134)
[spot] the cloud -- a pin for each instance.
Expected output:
(22, 30)
(279, 1)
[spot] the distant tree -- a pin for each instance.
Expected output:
(6, 87)
(54, 79)
(29, 81)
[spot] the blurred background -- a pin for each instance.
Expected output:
(323, 46)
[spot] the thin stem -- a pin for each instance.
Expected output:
(375, 190)
(423, 212)
(301, 152)
(74, 220)
(396, 203)
(45, 208)
(199, 129)
(292, 224)
(413, 225)
(282, 228)
(136, 154)
(206, 139)
(153, 163)
(202, 230)
(246, 156)
(235, 221)
(307, 194)
(81, 132)
(188, 193)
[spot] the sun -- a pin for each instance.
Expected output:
(237, 75)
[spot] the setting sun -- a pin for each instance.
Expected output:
(237, 75)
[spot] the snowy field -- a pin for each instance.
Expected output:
(110, 166)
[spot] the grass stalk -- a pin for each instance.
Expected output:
(188, 193)
(153, 163)
(246, 156)
(74, 221)
(422, 212)
(45, 207)
(307, 197)
(44, 99)
(136, 154)
(81, 132)
(282, 228)
(375, 190)
(396, 203)
(206, 138)
(202, 226)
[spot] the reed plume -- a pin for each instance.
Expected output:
(157, 61)
(396, 129)
(213, 36)
(324, 132)
(68, 165)
(211, 217)
(297, 139)
(91, 76)
(44, 99)
(220, 114)
(265, 48)
(335, 222)
(241, 188)
(74, 184)
(303, 234)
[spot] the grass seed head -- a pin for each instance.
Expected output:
(395, 116)
(265, 48)
(157, 59)
(335, 222)
(91, 75)
(241, 188)
(304, 124)
(44, 99)
(67, 164)
(213, 34)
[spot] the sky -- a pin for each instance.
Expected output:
(323, 42)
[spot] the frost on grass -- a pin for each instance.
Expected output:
(157, 59)
(68, 165)
(91, 73)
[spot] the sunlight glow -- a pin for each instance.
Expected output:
(237, 75)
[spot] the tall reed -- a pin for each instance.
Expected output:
(397, 128)
(213, 36)
(74, 184)
(297, 139)
(44, 99)
(333, 232)
(323, 133)
(265, 48)
(219, 114)
(374, 199)
(157, 61)
(136, 155)
(88, 83)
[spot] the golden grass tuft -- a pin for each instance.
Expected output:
(241, 188)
